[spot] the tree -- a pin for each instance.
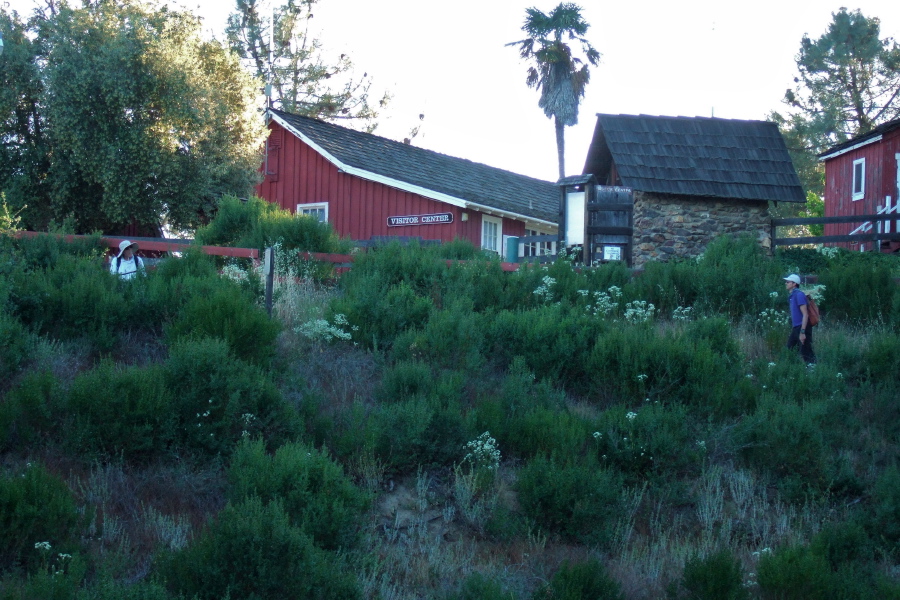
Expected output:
(848, 83)
(302, 82)
(559, 75)
(136, 118)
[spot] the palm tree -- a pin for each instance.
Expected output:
(559, 75)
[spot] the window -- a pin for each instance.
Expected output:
(318, 210)
(859, 179)
(536, 248)
(491, 233)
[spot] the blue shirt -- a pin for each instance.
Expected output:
(795, 301)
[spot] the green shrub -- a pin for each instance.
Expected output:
(452, 338)
(257, 223)
(880, 359)
(120, 411)
(418, 432)
(227, 314)
(858, 292)
(653, 441)
(478, 587)
(58, 576)
(405, 380)
(313, 489)
(884, 524)
(785, 439)
(44, 251)
(794, 573)
(579, 581)
(112, 590)
(218, 397)
(29, 411)
(77, 298)
(15, 345)
(35, 507)
(718, 576)
(251, 550)
(580, 501)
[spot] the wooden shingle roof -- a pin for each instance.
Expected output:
(427, 172)
(695, 156)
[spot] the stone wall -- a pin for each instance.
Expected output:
(682, 226)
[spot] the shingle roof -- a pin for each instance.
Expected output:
(844, 146)
(456, 177)
(695, 156)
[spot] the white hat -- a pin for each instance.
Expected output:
(124, 245)
(793, 277)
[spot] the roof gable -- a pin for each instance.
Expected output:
(428, 173)
(861, 140)
(695, 156)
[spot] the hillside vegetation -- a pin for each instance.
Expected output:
(425, 428)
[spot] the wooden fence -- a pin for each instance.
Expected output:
(866, 232)
(156, 244)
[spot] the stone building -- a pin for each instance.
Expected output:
(693, 179)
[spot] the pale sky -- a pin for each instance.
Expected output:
(448, 61)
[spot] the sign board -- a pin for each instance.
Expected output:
(405, 221)
(612, 253)
(574, 218)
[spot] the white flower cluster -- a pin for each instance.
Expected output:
(772, 317)
(604, 303)
(828, 251)
(42, 546)
(544, 291)
(816, 292)
(631, 416)
(639, 311)
(483, 452)
(323, 331)
(682, 313)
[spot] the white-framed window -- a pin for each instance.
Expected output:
(491, 233)
(318, 210)
(859, 179)
(536, 248)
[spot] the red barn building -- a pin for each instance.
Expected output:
(862, 177)
(368, 186)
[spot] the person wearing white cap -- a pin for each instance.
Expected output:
(801, 332)
(125, 264)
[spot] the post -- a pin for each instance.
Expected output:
(269, 271)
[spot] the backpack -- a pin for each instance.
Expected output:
(812, 312)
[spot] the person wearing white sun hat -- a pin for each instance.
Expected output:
(125, 264)
(801, 332)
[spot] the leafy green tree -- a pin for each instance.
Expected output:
(133, 118)
(848, 83)
(302, 81)
(557, 72)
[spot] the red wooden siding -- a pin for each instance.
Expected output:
(880, 182)
(358, 208)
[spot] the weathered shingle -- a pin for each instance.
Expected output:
(695, 156)
(457, 177)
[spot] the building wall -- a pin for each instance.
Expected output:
(880, 184)
(357, 208)
(679, 226)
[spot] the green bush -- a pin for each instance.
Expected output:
(478, 587)
(884, 524)
(654, 441)
(785, 439)
(116, 411)
(313, 489)
(44, 251)
(580, 501)
(452, 338)
(794, 573)
(35, 507)
(77, 298)
(218, 397)
(251, 550)
(579, 581)
(418, 432)
(227, 314)
(29, 412)
(405, 380)
(858, 292)
(15, 346)
(257, 223)
(718, 576)
(112, 590)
